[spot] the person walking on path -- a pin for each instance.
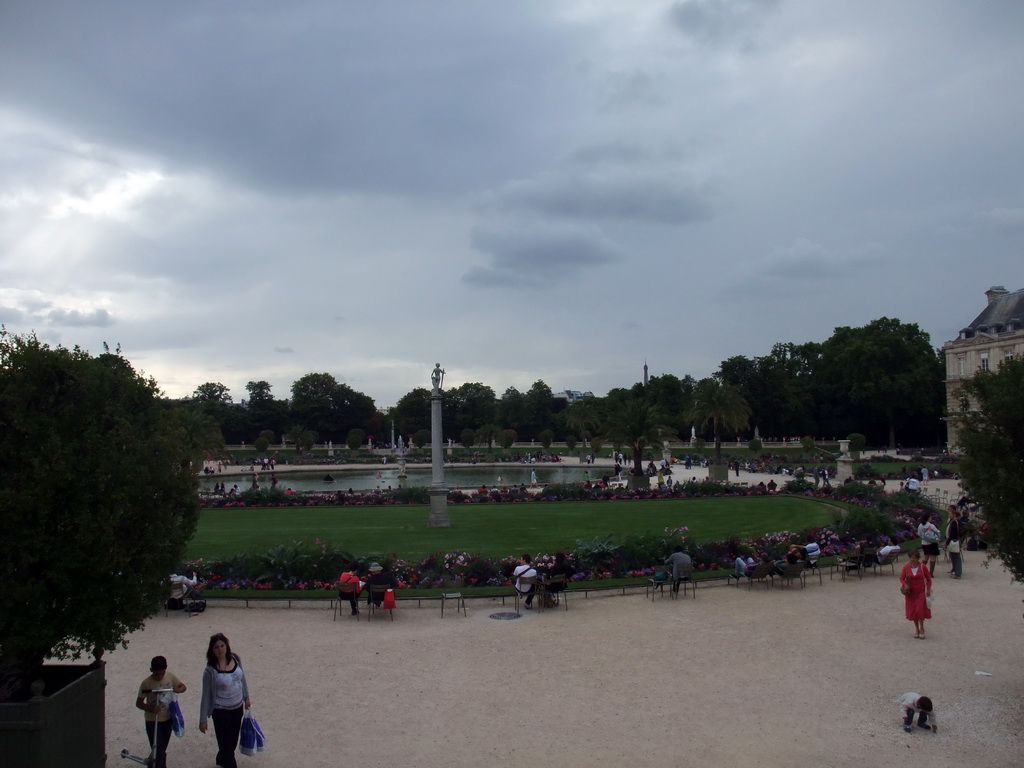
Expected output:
(916, 586)
(225, 693)
(913, 703)
(158, 717)
(953, 546)
(930, 537)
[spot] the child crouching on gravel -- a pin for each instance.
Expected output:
(914, 703)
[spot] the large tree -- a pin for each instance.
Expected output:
(512, 409)
(96, 502)
(636, 425)
(331, 408)
(992, 437)
(880, 378)
(720, 405)
(412, 412)
(265, 412)
(468, 406)
(776, 389)
(212, 391)
(538, 402)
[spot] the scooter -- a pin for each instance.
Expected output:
(151, 760)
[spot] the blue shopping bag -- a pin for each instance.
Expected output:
(177, 720)
(251, 739)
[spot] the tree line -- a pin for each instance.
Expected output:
(883, 380)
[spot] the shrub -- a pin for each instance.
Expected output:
(860, 523)
(865, 470)
(599, 553)
(798, 485)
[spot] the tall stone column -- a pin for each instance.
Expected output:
(438, 491)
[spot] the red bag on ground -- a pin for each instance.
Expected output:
(389, 600)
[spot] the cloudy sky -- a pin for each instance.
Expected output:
(254, 189)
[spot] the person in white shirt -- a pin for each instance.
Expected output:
(886, 550)
(183, 586)
(913, 703)
(525, 570)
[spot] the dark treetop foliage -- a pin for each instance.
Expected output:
(992, 437)
(97, 501)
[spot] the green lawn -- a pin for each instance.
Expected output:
(496, 530)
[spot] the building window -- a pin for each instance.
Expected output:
(1008, 353)
(961, 363)
(984, 361)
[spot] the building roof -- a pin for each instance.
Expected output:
(1005, 312)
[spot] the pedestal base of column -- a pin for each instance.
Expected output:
(438, 508)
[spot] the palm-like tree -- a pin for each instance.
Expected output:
(721, 405)
(201, 436)
(301, 436)
(583, 418)
(488, 433)
(636, 424)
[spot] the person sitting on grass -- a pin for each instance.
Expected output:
(914, 703)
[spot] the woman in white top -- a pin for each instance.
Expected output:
(225, 691)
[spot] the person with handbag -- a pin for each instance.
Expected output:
(225, 697)
(916, 587)
(378, 578)
(953, 547)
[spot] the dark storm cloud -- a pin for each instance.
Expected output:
(537, 256)
(313, 96)
(809, 261)
(12, 315)
(718, 22)
(621, 90)
(97, 318)
(610, 182)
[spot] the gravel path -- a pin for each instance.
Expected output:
(737, 677)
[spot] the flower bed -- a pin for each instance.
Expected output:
(876, 518)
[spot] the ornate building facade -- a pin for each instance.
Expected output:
(994, 335)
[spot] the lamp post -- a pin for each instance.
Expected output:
(438, 492)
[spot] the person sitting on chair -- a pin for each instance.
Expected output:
(183, 587)
(885, 551)
(378, 577)
(742, 567)
(525, 570)
(351, 575)
(560, 568)
(679, 561)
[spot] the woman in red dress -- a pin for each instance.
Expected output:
(916, 584)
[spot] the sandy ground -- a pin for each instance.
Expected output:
(761, 677)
